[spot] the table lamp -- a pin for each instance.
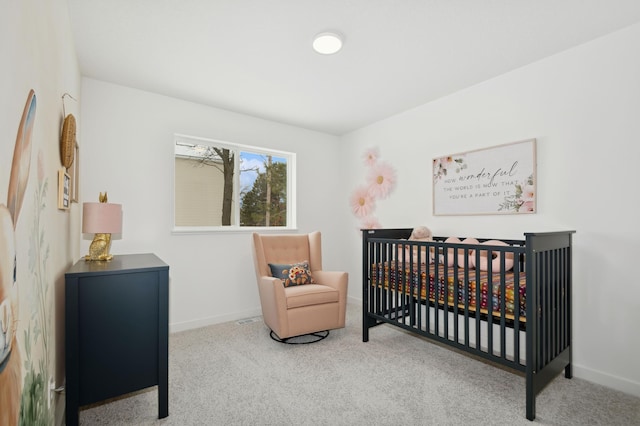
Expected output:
(101, 219)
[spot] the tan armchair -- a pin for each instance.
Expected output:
(299, 309)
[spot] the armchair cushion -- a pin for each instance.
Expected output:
(292, 274)
(314, 294)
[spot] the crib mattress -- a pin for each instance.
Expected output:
(411, 284)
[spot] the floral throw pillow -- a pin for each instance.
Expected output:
(292, 275)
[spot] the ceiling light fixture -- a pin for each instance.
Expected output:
(327, 43)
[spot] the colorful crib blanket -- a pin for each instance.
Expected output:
(384, 274)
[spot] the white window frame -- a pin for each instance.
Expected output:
(237, 148)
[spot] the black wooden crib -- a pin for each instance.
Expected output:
(506, 301)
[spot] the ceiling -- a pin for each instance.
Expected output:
(255, 57)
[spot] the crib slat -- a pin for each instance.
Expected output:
(400, 294)
(455, 299)
(426, 324)
(489, 305)
(566, 274)
(415, 286)
(503, 308)
(561, 301)
(552, 307)
(516, 311)
(542, 303)
(549, 309)
(445, 302)
(398, 279)
(436, 299)
(467, 298)
(545, 307)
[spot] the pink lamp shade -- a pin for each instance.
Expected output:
(101, 218)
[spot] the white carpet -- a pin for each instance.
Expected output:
(234, 374)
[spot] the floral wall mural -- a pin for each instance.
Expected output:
(10, 356)
(25, 337)
(35, 407)
(380, 182)
(38, 242)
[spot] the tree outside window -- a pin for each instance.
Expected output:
(218, 184)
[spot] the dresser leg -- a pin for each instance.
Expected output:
(163, 401)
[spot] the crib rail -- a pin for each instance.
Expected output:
(404, 291)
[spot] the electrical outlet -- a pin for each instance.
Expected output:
(52, 388)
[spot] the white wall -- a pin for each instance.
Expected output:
(583, 108)
(127, 150)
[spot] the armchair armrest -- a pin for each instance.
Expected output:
(335, 279)
(272, 299)
(339, 281)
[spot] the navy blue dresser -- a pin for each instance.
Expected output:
(116, 330)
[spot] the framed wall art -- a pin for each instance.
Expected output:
(74, 172)
(64, 189)
(496, 180)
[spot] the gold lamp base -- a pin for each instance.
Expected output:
(99, 248)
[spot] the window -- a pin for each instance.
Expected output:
(221, 185)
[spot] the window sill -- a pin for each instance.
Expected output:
(194, 230)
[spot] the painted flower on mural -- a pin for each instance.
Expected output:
(526, 206)
(40, 167)
(445, 165)
(381, 180)
(362, 203)
(371, 156)
(523, 198)
(528, 198)
(528, 192)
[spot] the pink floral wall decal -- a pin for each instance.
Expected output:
(380, 182)
(362, 203)
(371, 156)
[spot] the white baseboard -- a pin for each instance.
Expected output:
(618, 383)
(354, 300)
(203, 322)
